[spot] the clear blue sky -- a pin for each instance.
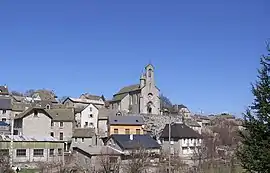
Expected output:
(205, 52)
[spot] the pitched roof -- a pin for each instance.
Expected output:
(126, 120)
(31, 110)
(192, 123)
(65, 115)
(96, 150)
(20, 106)
(46, 95)
(83, 133)
(119, 97)
(3, 90)
(106, 113)
(90, 96)
(139, 141)
(5, 103)
(129, 88)
(179, 131)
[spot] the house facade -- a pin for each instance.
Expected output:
(125, 125)
(84, 100)
(32, 150)
(87, 117)
(57, 123)
(5, 109)
(184, 140)
(142, 98)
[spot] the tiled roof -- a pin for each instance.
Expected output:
(97, 150)
(130, 88)
(119, 97)
(90, 96)
(65, 115)
(83, 133)
(179, 131)
(126, 120)
(139, 141)
(46, 95)
(106, 113)
(5, 103)
(192, 123)
(28, 138)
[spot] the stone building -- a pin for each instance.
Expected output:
(142, 98)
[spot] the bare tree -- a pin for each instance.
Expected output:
(138, 161)
(16, 93)
(177, 164)
(108, 163)
(29, 93)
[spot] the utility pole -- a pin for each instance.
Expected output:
(11, 141)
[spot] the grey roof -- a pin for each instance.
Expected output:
(181, 106)
(83, 133)
(126, 120)
(124, 92)
(90, 96)
(192, 123)
(3, 90)
(129, 88)
(20, 107)
(96, 150)
(139, 141)
(179, 131)
(5, 103)
(28, 138)
(65, 115)
(46, 95)
(105, 113)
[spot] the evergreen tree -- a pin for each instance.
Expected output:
(254, 152)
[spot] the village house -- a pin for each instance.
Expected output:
(142, 98)
(84, 100)
(4, 91)
(87, 116)
(85, 136)
(125, 125)
(5, 109)
(57, 123)
(31, 150)
(184, 140)
(128, 144)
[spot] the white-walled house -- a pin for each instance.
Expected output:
(87, 117)
(184, 140)
(83, 101)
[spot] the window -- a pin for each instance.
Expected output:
(75, 139)
(35, 113)
(21, 152)
(61, 136)
(113, 159)
(52, 123)
(38, 152)
(90, 115)
(51, 152)
(48, 106)
(149, 72)
(15, 132)
(127, 131)
(60, 151)
(52, 135)
(61, 124)
(4, 119)
(91, 124)
(85, 124)
(90, 109)
(4, 152)
(82, 139)
(115, 131)
(4, 111)
(138, 131)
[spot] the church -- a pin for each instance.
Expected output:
(142, 98)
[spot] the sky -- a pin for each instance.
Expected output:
(205, 53)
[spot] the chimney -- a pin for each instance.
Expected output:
(131, 137)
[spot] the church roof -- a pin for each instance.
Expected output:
(129, 88)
